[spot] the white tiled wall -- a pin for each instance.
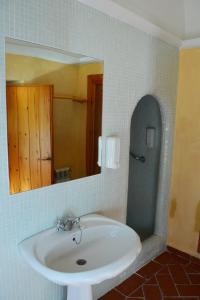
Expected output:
(135, 64)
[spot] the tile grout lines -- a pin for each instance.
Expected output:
(173, 280)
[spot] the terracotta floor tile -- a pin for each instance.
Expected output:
(137, 293)
(178, 274)
(130, 285)
(164, 270)
(135, 298)
(194, 278)
(195, 260)
(189, 290)
(180, 260)
(150, 269)
(192, 268)
(112, 295)
(167, 258)
(152, 280)
(181, 298)
(152, 292)
(173, 275)
(167, 285)
(178, 252)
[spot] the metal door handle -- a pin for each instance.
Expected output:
(48, 158)
(140, 158)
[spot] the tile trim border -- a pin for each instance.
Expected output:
(192, 43)
(116, 11)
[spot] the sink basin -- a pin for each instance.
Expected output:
(100, 249)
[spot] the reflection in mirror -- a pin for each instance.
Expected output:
(54, 115)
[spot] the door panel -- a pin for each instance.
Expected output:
(45, 119)
(13, 146)
(23, 137)
(29, 111)
(34, 129)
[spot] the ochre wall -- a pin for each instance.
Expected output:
(69, 116)
(184, 217)
(84, 71)
(41, 71)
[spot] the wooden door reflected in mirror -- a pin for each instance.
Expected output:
(54, 117)
(29, 119)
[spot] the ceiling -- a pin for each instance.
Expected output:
(179, 17)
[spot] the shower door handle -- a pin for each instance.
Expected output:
(140, 158)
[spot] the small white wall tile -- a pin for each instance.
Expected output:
(135, 64)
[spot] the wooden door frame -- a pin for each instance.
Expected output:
(52, 133)
(92, 82)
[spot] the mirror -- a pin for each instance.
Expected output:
(54, 115)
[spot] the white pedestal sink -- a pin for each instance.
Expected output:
(102, 249)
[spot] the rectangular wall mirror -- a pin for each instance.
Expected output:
(54, 115)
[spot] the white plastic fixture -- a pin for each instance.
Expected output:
(100, 141)
(112, 160)
(102, 249)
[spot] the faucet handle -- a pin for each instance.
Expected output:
(76, 220)
(66, 223)
(71, 219)
(60, 226)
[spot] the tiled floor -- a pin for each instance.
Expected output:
(172, 275)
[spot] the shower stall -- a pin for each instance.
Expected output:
(144, 165)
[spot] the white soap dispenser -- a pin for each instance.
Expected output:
(112, 149)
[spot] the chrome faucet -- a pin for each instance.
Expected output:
(67, 223)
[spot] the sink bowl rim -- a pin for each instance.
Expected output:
(97, 275)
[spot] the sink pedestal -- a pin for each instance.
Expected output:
(82, 292)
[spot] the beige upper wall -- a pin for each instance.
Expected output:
(36, 70)
(184, 219)
(69, 117)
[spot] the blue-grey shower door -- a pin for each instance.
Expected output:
(144, 162)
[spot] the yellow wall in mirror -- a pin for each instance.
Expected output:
(184, 217)
(84, 71)
(71, 79)
(41, 71)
